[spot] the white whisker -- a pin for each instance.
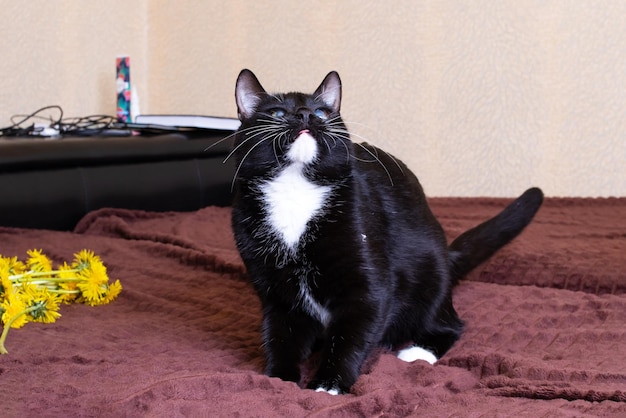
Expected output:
(363, 138)
(392, 158)
(377, 159)
(348, 155)
(279, 139)
(232, 185)
(256, 131)
(220, 141)
(327, 144)
(230, 154)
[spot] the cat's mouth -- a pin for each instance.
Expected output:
(300, 133)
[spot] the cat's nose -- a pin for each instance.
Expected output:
(304, 115)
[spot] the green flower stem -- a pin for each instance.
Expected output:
(64, 292)
(48, 282)
(7, 326)
(51, 280)
(15, 277)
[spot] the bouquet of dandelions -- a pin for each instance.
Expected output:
(32, 291)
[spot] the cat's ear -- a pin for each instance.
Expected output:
(330, 91)
(248, 93)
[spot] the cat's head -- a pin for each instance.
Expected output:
(290, 128)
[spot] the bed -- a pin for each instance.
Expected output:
(545, 333)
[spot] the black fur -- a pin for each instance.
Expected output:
(374, 256)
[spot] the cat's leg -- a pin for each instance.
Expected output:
(288, 338)
(444, 330)
(407, 329)
(350, 339)
(430, 339)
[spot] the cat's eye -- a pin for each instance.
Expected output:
(322, 113)
(277, 113)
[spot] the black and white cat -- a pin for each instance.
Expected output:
(339, 241)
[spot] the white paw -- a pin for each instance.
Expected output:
(333, 391)
(416, 353)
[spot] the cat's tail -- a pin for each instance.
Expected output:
(479, 243)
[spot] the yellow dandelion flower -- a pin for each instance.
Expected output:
(11, 266)
(65, 271)
(93, 285)
(15, 266)
(67, 288)
(5, 283)
(97, 272)
(4, 266)
(45, 305)
(33, 291)
(113, 290)
(6, 288)
(38, 261)
(13, 316)
(85, 259)
(25, 289)
(13, 308)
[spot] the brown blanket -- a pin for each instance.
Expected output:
(545, 326)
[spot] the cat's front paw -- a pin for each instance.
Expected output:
(333, 391)
(332, 388)
(415, 353)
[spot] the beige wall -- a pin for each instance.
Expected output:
(477, 97)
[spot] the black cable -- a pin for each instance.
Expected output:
(80, 126)
(86, 125)
(16, 128)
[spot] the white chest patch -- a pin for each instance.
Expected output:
(291, 202)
